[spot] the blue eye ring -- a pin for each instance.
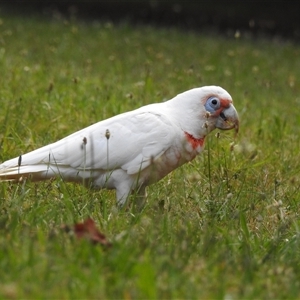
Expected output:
(212, 104)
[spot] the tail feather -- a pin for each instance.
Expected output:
(41, 172)
(19, 173)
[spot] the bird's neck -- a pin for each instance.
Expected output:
(193, 141)
(191, 121)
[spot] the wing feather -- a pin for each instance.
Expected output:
(136, 138)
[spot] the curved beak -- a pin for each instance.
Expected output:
(228, 119)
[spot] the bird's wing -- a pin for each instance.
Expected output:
(129, 141)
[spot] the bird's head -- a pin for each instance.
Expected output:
(219, 108)
(201, 110)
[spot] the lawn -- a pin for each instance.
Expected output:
(225, 226)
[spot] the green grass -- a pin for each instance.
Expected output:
(225, 226)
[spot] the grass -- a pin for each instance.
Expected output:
(225, 226)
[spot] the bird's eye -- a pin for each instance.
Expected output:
(212, 104)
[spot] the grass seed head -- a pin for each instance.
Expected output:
(207, 114)
(20, 160)
(107, 134)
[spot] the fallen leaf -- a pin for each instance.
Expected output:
(88, 230)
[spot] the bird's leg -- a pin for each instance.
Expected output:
(122, 192)
(140, 198)
(121, 201)
(138, 195)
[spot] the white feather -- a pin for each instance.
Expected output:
(126, 152)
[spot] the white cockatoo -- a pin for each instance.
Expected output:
(134, 149)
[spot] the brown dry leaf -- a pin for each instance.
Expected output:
(89, 231)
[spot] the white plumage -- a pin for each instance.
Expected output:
(134, 149)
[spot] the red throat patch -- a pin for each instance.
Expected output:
(194, 142)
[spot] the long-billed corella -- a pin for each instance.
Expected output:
(134, 149)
